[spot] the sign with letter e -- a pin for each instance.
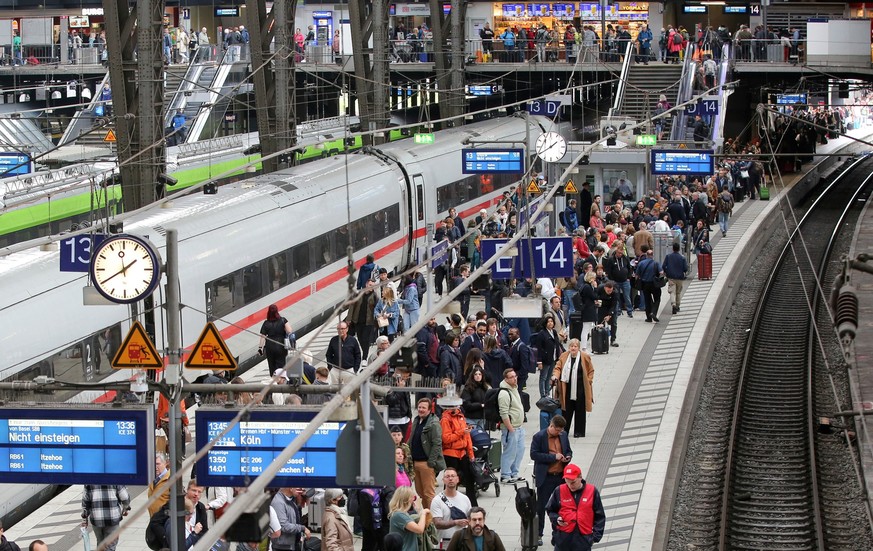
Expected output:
(547, 256)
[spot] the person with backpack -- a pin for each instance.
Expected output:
(644, 39)
(508, 38)
(576, 513)
(725, 207)
(662, 46)
(511, 411)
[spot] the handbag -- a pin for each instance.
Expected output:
(660, 280)
(744, 174)
(548, 404)
(382, 321)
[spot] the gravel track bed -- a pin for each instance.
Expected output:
(697, 509)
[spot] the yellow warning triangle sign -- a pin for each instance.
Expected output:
(110, 136)
(532, 187)
(137, 351)
(570, 187)
(210, 352)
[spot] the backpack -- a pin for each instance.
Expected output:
(562, 218)
(533, 356)
(724, 206)
(492, 410)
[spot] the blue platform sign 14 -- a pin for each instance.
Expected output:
(552, 257)
(76, 251)
(703, 108)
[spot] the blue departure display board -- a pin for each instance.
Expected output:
(77, 446)
(14, 164)
(492, 161)
(681, 161)
(250, 446)
(790, 99)
(736, 9)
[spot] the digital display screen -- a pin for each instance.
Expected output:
(563, 10)
(226, 12)
(492, 161)
(736, 9)
(694, 9)
(77, 446)
(14, 164)
(790, 99)
(541, 9)
(252, 445)
(682, 162)
(482, 89)
(514, 10)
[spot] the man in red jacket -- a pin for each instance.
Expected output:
(576, 513)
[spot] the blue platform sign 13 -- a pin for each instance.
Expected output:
(543, 107)
(551, 257)
(76, 251)
(703, 108)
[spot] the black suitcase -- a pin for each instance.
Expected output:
(600, 339)
(576, 326)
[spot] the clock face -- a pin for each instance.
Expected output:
(551, 147)
(125, 268)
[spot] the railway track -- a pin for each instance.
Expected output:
(770, 495)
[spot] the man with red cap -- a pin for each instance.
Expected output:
(576, 513)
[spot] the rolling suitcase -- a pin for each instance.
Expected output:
(704, 266)
(576, 325)
(764, 193)
(600, 339)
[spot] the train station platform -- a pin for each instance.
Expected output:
(636, 429)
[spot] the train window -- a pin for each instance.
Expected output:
(419, 197)
(360, 233)
(321, 250)
(393, 220)
(219, 294)
(253, 287)
(301, 260)
(277, 271)
(85, 361)
(341, 242)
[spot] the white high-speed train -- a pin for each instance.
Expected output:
(278, 238)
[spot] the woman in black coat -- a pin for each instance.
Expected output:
(549, 348)
(450, 360)
(473, 396)
(496, 361)
(585, 304)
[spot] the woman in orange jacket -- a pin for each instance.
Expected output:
(457, 444)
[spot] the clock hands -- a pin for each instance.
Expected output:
(121, 271)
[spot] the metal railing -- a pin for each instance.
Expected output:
(770, 51)
(686, 85)
(622, 81)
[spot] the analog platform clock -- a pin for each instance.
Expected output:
(125, 268)
(551, 147)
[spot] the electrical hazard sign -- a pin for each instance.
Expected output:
(210, 352)
(533, 187)
(137, 351)
(570, 187)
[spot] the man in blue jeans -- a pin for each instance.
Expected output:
(512, 414)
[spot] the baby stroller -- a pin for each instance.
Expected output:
(483, 470)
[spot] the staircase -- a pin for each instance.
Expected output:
(645, 83)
